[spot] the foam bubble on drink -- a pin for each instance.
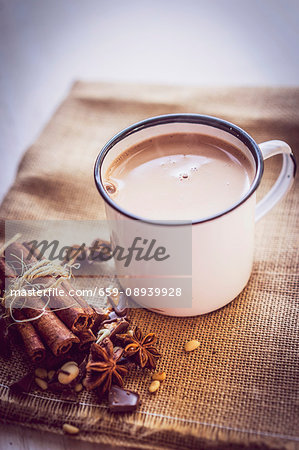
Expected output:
(183, 176)
(110, 187)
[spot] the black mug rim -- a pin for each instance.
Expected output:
(221, 124)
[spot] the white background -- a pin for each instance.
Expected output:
(45, 45)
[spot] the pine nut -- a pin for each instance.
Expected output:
(78, 387)
(191, 345)
(41, 383)
(67, 376)
(41, 373)
(70, 429)
(51, 374)
(154, 386)
(102, 334)
(67, 364)
(160, 376)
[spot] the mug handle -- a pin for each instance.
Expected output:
(284, 180)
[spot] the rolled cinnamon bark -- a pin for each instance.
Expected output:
(88, 311)
(67, 308)
(32, 342)
(53, 332)
(86, 339)
(6, 273)
(80, 323)
(72, 314)
(50, 328)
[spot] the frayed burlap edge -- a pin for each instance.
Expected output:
(133, 429)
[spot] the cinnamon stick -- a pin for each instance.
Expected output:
(86, 339)
(80, 324)
(88, 310)
(50, 328)
(67, 308)
(32, 342)
(84, 305)
(6, 272)
(53, 332)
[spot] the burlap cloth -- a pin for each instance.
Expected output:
(240, 386)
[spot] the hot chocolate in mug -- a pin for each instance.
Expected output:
(196, 176)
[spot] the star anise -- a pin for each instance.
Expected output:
(103, 369)
(141, 348)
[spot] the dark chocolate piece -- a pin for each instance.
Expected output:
(125, 361)
(22, 385)
(100, 315)
(99, 251)
(122, 312)
(112, 317)
(119, 308)
(64, 390)
(52, 362)
(118, 326)
(122, 400)
(82, 372)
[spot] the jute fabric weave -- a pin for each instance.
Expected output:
(241, 385)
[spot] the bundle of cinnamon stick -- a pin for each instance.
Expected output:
(64, 322)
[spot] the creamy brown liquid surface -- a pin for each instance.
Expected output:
(179, 177)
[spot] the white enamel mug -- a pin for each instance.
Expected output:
(223, 244)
